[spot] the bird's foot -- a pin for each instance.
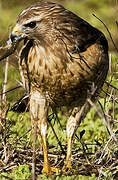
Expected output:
(50, 170)
(67, 167)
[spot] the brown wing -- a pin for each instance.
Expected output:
(66, 55)
(23, 66)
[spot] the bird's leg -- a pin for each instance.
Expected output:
(39, 112)
(78, 114)
(72, 125)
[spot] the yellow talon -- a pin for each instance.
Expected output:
(69, 165)
(50, 170)
(56, 170)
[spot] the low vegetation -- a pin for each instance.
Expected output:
(95, 150)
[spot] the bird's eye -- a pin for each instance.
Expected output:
(31, 24)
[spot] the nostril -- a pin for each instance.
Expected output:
(13, 37)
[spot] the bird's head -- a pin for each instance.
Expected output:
(34, 22)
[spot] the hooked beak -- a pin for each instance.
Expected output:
(17, 34)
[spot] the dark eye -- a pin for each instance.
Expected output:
(31, 24)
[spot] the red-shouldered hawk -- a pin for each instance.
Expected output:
(62, 59)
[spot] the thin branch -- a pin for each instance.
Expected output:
(10, 90)
(111, 85)
(4, 100)
(103, 117)
(56, 137)
(112, 97)
(107, 31)
(107, 124)
(5, 80)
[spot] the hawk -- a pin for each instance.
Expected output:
(64, 61)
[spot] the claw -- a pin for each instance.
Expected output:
(67, 167)
(50, 170)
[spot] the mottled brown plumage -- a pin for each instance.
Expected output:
(62, 59)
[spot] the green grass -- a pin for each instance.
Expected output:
(95, 131)
(21, 172)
